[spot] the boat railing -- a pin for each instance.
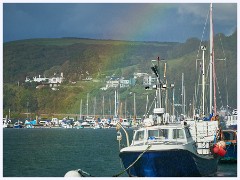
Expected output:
(126, 134)
(158, 141)
(165, 142)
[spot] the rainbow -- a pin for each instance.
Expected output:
(139, 19)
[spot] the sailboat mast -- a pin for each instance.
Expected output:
(212, 70)
(160, 84)
(203, 80)
(166, 91)
(80, 116)
(145, 115)
(115, 104)
(87, 103)
(103, 107)
(116, 112)
(173, 101)
(94, 106)
(134, 108)
(125, 108)
(183, 104)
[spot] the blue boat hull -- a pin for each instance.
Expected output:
(174, 163)
(231, 154)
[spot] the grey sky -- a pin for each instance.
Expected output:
(126, 21)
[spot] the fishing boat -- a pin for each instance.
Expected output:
(181, 149)
(164, 149)
(229, 136)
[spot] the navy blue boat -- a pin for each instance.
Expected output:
(18, 125)
(167, 151)
(230, 138)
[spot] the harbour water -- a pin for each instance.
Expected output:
(48, 152)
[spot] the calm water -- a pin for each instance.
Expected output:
(53, 152)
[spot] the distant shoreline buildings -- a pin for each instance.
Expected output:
(111, 81)
(53, 82)
(115, 82)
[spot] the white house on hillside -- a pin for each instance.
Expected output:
(137, 75)
(55, 80)
(112, 83)
(124, 83)
(36, 79)
(149, 80)
(115, 82)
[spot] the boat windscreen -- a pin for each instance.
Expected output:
(139, 136)
(178, 134)
(158, 134)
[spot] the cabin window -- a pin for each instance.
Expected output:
(178, 134)
(163, 133)
(139, 136)
(153, 133)
(159, 133)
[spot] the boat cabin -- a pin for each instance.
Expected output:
(162, 134)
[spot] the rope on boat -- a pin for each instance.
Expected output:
(140, 155)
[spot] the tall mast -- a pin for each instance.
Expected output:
(146, 108)
(125, 112)
(173, 103)
(80, 115)
(211, 59)
(183, 105)
(87, 103)
(203, 48)
(103, 107)
(166, 91)
(214, 74)
(115, 104)
(134, 107)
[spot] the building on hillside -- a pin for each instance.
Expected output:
(55, 80)
(88, 78)
(138, 75)
(113, 82)
(148, 80)
(36, 79)
(124, 83)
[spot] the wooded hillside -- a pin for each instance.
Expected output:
(74, 57)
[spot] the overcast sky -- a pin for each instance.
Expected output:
(174, 22)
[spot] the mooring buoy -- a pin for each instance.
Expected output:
(73, 173)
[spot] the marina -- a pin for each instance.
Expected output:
(124, 113)
(53, 152)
